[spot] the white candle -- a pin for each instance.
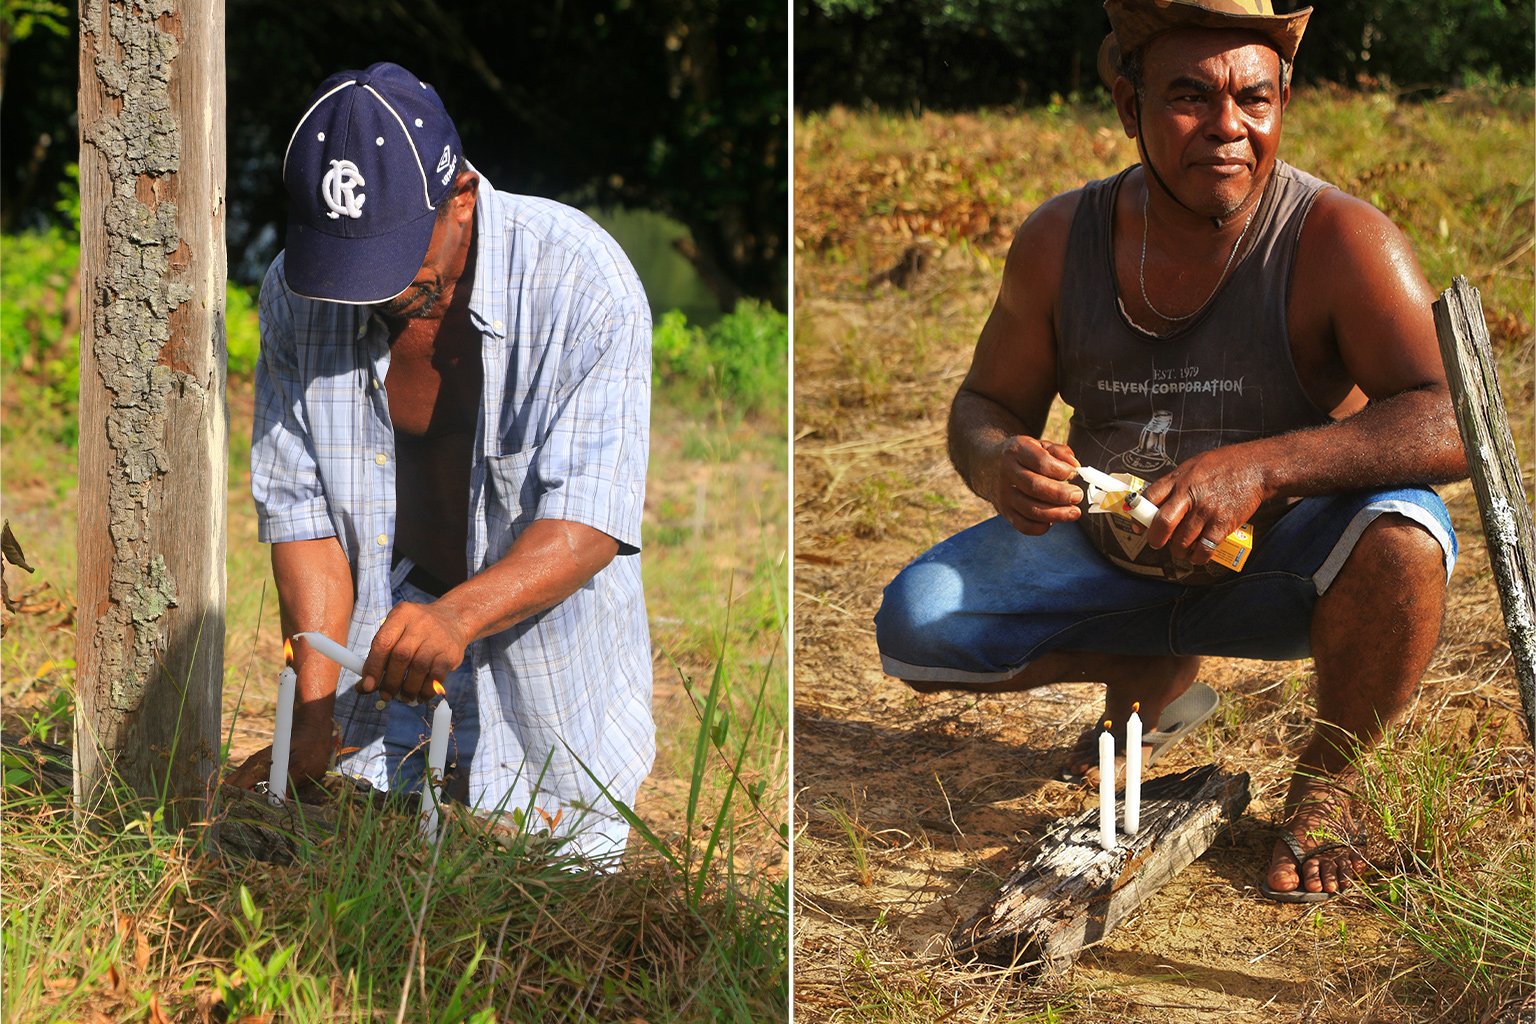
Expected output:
(282, 733)
(437, 761)
(1101, 480)
(1139, 508)
(1107, 788)
(1133, 771)
(333, 650)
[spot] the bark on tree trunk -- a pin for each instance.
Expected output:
(153, 422)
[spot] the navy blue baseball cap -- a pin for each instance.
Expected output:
(371, 159)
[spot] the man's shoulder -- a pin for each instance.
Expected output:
(545, 222)
(1337, 221)
(548, 237)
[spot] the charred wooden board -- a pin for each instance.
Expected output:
(1071, 892)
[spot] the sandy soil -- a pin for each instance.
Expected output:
(944, 793)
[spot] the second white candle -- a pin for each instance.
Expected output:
(437, 762)
(1133, 771)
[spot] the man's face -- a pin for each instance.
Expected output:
(1211, 112)
(441, 266)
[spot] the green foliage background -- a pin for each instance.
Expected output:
(674, 106)
(959, 54)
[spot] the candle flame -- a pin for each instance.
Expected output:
(1136, 708)
(287, 652)
(437, 688)
(1107, 724)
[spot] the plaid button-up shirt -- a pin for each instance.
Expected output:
(563, 433)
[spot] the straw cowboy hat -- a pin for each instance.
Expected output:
(1136, 21)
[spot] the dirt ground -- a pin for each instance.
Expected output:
(911, 809)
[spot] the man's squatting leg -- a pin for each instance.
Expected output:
(1373, 634)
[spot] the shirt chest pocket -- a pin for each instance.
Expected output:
(511, 498)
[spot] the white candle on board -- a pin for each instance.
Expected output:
(333, 650)
(1133, 771)
(437, 761)
(282, 733)
(1107, 787)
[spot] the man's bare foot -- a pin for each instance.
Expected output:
(1322, 855)
(1083, 760)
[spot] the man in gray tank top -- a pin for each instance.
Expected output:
(1260, 347)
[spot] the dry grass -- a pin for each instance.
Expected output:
(910, 810)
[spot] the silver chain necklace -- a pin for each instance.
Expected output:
(1141, 270)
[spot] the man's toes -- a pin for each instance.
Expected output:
(1283, 876)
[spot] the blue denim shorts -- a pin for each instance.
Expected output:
(981, 605)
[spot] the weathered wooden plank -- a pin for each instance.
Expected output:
(1071, 892)
(1472, 372)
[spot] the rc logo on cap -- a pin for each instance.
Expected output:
(339, 190)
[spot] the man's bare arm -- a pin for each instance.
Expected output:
(1357, 284)
(314, 593)
(999, 412)
(420, 643)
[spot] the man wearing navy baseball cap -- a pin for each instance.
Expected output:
(448, 459)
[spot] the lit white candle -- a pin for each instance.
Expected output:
(282, 732)
(1133, 771)
(437, 761)
(333, 650)
(1107, 787)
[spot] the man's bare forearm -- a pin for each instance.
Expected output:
(979, 429)
(1407, 438)
(314, 591)
(548, 562)
(419, 644)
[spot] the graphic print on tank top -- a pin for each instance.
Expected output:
(1144, 403)
(1153, 423)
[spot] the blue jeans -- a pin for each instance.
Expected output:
(407, 729)
(981, 605)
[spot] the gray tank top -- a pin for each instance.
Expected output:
(1140, 402)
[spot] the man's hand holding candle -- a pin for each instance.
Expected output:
(1029, 482)
(417, 643)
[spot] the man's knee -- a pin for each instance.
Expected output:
(905, 620)
(1393, 583)
(1397, 550)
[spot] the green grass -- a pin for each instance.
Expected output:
(1461, 891)
(119, 918)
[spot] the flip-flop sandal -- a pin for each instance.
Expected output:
(1301, 856)
(1179, 719)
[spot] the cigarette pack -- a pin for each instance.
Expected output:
(1234, 551)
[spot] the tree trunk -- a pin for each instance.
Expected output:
(153, 423)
